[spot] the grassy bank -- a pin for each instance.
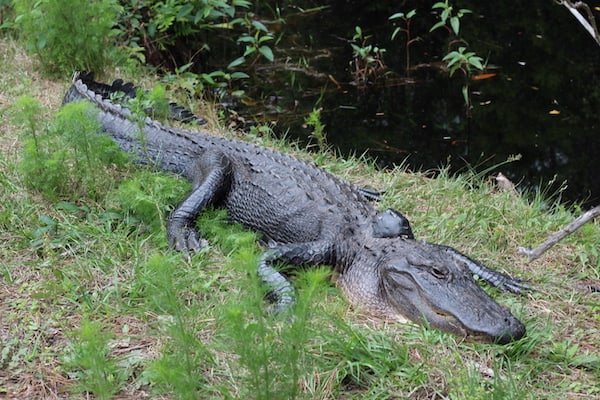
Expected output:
(92, 302)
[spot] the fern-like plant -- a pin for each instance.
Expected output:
(69, 35)
(69, 158)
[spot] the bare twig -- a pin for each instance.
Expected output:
(533, 254)
(588, 24)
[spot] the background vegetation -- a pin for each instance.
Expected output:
(93, 303)
(190, 40)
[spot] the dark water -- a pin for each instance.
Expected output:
(543, 103)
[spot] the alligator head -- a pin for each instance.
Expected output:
(398, 279)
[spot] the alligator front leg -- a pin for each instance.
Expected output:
(500, 280)
(280, 290)
(212, 179)
(371, 194)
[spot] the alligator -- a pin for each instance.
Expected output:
(308, 216)
(120, 90)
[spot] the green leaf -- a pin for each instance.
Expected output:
(455, 23)
(265, 38)
(437, 25)
(246, 39)
(396, 16)
(358, 34)
(41, 43)
(260, 26)
(266, 52)
(241, 3)
(184, 68)
(465, 93)
(453, 61)
(152, 29)
(476, 62)
(208, 79)
(184, 11)
(451, 55)
(239, 75)
(216, 74)
(238, 61)
(249, 50)
(445, 14)
(46, 220)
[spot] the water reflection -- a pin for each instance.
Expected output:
(542, 100)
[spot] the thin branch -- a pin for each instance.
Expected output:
(533, 254)
(588, 24)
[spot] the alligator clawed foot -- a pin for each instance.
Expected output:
(280, 307)
(267, 242)
(500, 280)
(280, 292)
(513, 285)
(188, 241)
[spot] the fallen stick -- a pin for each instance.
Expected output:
(588, 24)
(533, 254)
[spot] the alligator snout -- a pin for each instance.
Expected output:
(427, 284)
(514, 330)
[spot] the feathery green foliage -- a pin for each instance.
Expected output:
(68, 159)
(88, 359)
(153, 103)
(68, 35)
(184, 358)
(149, 197)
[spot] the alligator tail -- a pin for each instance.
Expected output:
(128, 90)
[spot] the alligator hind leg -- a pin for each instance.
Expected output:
(500, 280)
(280, 290)
(212, 179)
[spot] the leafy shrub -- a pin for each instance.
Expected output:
(184, 359)
(176, 35)
(69, 35)
(164, 28)
(5, 12)
(68, 159)
(149, 197)
(179, 35)
(153, 103)
(88, 359)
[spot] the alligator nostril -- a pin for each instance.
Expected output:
(515, 331)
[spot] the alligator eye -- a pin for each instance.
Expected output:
(439, 273)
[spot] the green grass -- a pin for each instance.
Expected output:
(93, 303)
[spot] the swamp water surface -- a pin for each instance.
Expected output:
(540, 98)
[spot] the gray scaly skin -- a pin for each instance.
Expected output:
(308, 217)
